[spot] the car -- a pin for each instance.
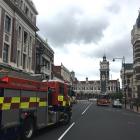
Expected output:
(92, 99)
(116, 103)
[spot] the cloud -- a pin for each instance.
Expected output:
(72, 25)
(81, 31)
(114, 8)
(117, 48)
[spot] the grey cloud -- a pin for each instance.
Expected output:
(114, 7)
(118, 48)
(72, 26)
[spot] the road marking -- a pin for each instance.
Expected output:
(66, 131)
(131, 115)
(86, 108)
(112, 110)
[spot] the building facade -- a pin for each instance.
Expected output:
(104, 75)
(135, 40)
(17, 36)
(62, 73)
(44, 59)
(92, 88)
(127, 80)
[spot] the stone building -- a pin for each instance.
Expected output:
(62, 73)
(17, 36)
(44, 59)
(135, 40)
(88, 89)
(127, 79)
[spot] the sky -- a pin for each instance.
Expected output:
(81, 31)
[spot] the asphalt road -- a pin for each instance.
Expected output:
(91, 122)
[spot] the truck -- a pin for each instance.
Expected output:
(27, 106)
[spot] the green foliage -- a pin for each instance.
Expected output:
(117, 96)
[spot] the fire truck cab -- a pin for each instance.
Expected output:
(27, 105)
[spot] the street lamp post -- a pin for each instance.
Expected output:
(123, 65)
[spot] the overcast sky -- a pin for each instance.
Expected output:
(81, 31)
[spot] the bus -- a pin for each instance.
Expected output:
(103, 100)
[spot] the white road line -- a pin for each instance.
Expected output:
(131, 115)
(66, 131)
(86, 108)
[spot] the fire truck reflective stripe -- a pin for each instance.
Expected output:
(24, 105)
(15, 106)
(43, 99)
(7, 99)
(38, 99)
(1, 99)
(7, 103)
(31, 104)
(41, 104)
(0, 106)
(33, 99)
(60, 98)
(6, 106)
(64, 103)
(25, 99)
(15, 100)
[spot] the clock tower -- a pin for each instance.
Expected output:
(104, 75)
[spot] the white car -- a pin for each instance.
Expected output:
(92, 99)
(116, 103)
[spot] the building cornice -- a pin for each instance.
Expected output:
(21, 14)
(32, 6)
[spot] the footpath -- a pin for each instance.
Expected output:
(132, 108)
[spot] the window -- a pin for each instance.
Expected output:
(46, 63)
(29, 63)
(5, 53)
(26, 10)
(31, 15)
(25, 37)
(7, 24)
(61, 89)
(24, 61)
(30, 46)
(18, 58)
(31, 41)
(19, 32)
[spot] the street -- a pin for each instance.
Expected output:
(95, 122)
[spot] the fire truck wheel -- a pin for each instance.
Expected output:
(28, 129)
(67, 118)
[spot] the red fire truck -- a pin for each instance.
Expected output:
(28, 105)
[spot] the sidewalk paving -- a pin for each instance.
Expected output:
(134, 108)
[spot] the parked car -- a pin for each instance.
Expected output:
(116, 103)
(92, 99)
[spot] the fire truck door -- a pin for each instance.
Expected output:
(42, 109)
(10, 107)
